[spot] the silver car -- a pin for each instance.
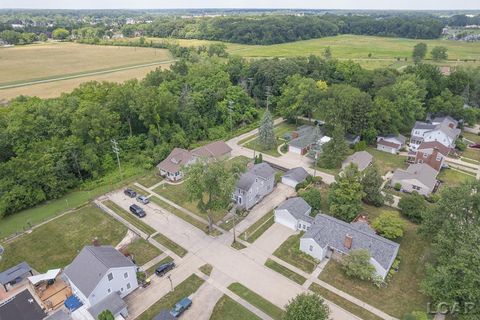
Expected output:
(143, 199)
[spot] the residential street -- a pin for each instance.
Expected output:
(237, 265)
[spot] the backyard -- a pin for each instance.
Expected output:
(55, 244)
(451, 177)
(402, 294)
(386, 161)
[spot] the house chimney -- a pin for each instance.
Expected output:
(95, 242)
(348, 241)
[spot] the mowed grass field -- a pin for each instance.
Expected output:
(50, 60)
(383, 50)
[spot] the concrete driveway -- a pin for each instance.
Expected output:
(273, 238)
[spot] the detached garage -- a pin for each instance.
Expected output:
(294, 213)
(294, 176)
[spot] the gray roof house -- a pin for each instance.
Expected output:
(101, 275)
(253, 185)
(443, 130)
(112, 302)
(418, 177)
(294, 176)
(361, 158)
(391, 143)
(329, 236)
(294, 213)
(304, 138)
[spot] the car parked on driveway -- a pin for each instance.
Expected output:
(143, 199)
(162, 269)
(129, 192)
(136, 210)
(180, 307)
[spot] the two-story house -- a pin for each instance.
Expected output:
(444, 130)
(253, 185)
(432, 153)
(100, 277)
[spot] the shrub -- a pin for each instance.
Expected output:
(313, 197)
(397, 186)
(412, 206)
(460, 145)
(357, 265)
(389, 225)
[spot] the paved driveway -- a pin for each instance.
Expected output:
(272, 238)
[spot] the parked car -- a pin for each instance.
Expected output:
(180, 307)
(143, 199)
(475, 145)
(136, 210)
(129, 192)
(164, 268)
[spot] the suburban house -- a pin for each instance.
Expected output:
(418, 177)
(443, 130)
(294, 176)
(330, 237)
(304, 138)
(391, 143)
(253, 185)
(352, 139)
(171, 167)
(432, 153)
(100, 277)
(362, 159)
(22, 306)
(294, 213)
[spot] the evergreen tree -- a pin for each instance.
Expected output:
(334, 151)
(266, 135)
(372, 182)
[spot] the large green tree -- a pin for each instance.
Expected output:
(334, 151)
(60, 33)
(413, 206)
(419, 52)
(211, 184)
(439, 53)
(453, 224)
(345, 194)
(307, 306)
(300, 97)
(389, 225)
(372, 183)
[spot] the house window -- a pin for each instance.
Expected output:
(109, 290)
(311, 248)
(239, 200)
(110, 276)
(425, 155)
(128, 286)
(121, 289)
(414, 187)
(125, 275)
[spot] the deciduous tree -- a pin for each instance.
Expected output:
(345, 194)
(389, 225)
(307, 306)
(419, 52)
(413, 206)
(357, 264)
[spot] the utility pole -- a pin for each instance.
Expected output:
(116, 149)
(230, 109)
(315, 166)
(171, 283)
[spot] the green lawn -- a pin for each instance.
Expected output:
(22, 220)
(402, 294)
(179, 213)
(290, 252)
(179, 195)
(472, 154)
(151, 270)
(285, 271)
(344, 303)
(228, 309)
(280, 130)
(184, 289)
(143, 251)
(452, 177)
(257, 300)
(206, 269)
(129, 217)
(255, 145)
(150, 179)
(238, 245)
(258, 228)
(471, 136)
(55, 244)
(176, 248)
(387, 161)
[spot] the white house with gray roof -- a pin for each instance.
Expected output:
(101, 276)
(294, 176)
(294, 213)
(253, 185)
(419, 177)
(443, 130)
(330, 237)
(362, 159)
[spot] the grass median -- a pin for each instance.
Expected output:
(228, 309)
(129, 217)
(184, 289)
(143, 251)
(176, 248)
(285, 271)
(258, 228)
(257, 300)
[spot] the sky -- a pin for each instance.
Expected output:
(305, 4)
